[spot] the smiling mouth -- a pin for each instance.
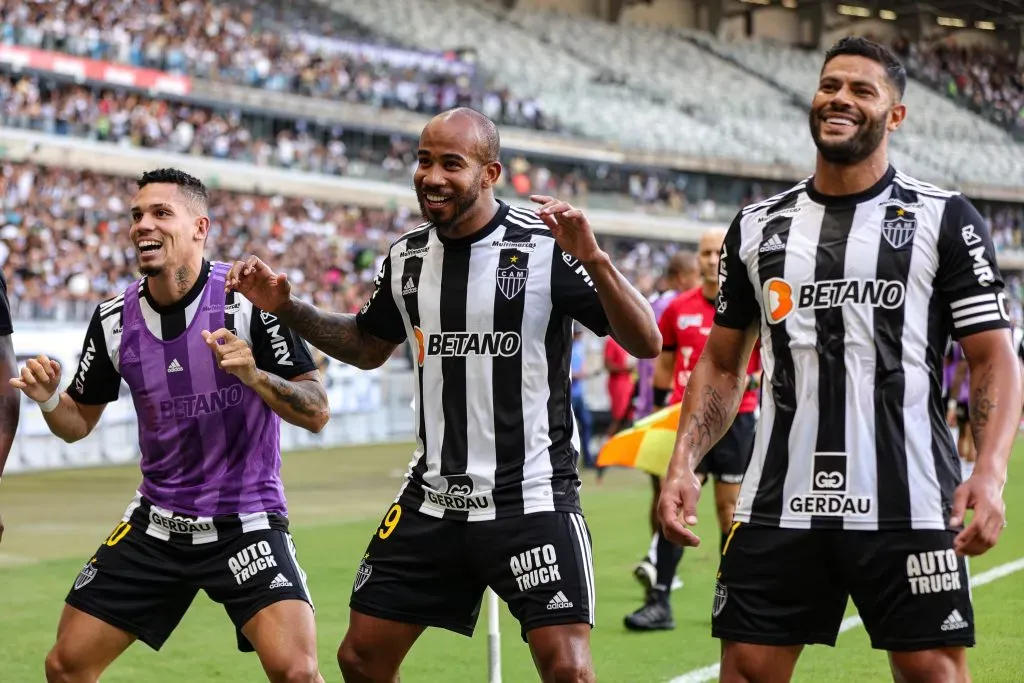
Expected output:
(839, 121)
(436, 201)
(149, 246)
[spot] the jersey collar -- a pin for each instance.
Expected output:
(492, 225)
(846, 200)
(182, 303)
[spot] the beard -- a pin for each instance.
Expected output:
(151, 271)
(854, 149)
(459, 205)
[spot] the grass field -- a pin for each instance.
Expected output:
(55, 520)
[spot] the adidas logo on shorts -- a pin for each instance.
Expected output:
(559, 601)
(954, 622)
(280, 582)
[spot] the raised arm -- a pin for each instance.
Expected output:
(346, 337)
(588, 287)
(336, 334)
(67, 418)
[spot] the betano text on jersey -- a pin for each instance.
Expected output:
(855, 298)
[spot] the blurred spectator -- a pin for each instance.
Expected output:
(290, 47)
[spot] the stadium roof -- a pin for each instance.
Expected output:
(997, 11)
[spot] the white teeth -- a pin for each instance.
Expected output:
(436, 198)
(148, 243)
(840, 122)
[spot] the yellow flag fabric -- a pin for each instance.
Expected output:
(647, 445)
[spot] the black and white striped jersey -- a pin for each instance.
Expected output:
(490, 316)
(856, 298)
(98, 379)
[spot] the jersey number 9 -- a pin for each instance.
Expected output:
(390, 521)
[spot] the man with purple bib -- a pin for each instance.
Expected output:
(211, 377)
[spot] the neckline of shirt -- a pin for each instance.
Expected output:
(833, 201)
(492, 225)
(184, 302)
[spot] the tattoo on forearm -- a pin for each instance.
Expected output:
(304, 400)
(710, 419)
(336, 334)
(982, 405)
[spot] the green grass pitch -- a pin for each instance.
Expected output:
(55, 520)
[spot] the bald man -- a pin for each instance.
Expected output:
(685, 324)
(488, 292)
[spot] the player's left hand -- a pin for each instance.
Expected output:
(233, 355)
(570, 227)
(983, 494)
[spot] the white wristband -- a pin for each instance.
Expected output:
(50, 404)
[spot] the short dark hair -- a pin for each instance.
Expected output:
(862, 47)
(192, 189)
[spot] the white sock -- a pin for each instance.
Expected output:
(652, 552)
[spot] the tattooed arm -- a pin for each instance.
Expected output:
(995, 398)
(995, 415)
(301, 401)
(710, 402)
(336, 334)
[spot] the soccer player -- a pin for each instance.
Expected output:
(681, 274)
(488, 292)
(855, 279)
(685, 324)
(957, 384)
(211, 377)
(10, 397)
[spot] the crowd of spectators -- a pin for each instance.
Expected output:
(297, 47)
(986, 80)
(64, 242)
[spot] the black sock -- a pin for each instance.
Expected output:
(669, 556)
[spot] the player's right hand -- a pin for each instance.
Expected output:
(253, 279)
(677, 508)
(39, 379)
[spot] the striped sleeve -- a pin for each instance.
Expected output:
(737, 305)
(968, 279)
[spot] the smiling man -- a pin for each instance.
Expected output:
(491, 498)
(211, 378)
(854, 279)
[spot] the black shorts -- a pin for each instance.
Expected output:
(727, 461)
(790, 587)
(144, 585)
(424, 570)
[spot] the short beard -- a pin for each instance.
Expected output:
(463, 203)
(854, 150)
(151, 271)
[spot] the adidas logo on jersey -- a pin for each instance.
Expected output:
(175, 366)
(410, 287)
(773, 243)
(953, 622)
(280, 582)
(559, 601)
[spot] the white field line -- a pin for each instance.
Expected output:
(710, 672)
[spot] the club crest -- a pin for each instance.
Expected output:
(362, 575)
(511, 280)
(898, 231)
(87, 574)
(721, 596)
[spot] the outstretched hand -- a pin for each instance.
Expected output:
(570, 227)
